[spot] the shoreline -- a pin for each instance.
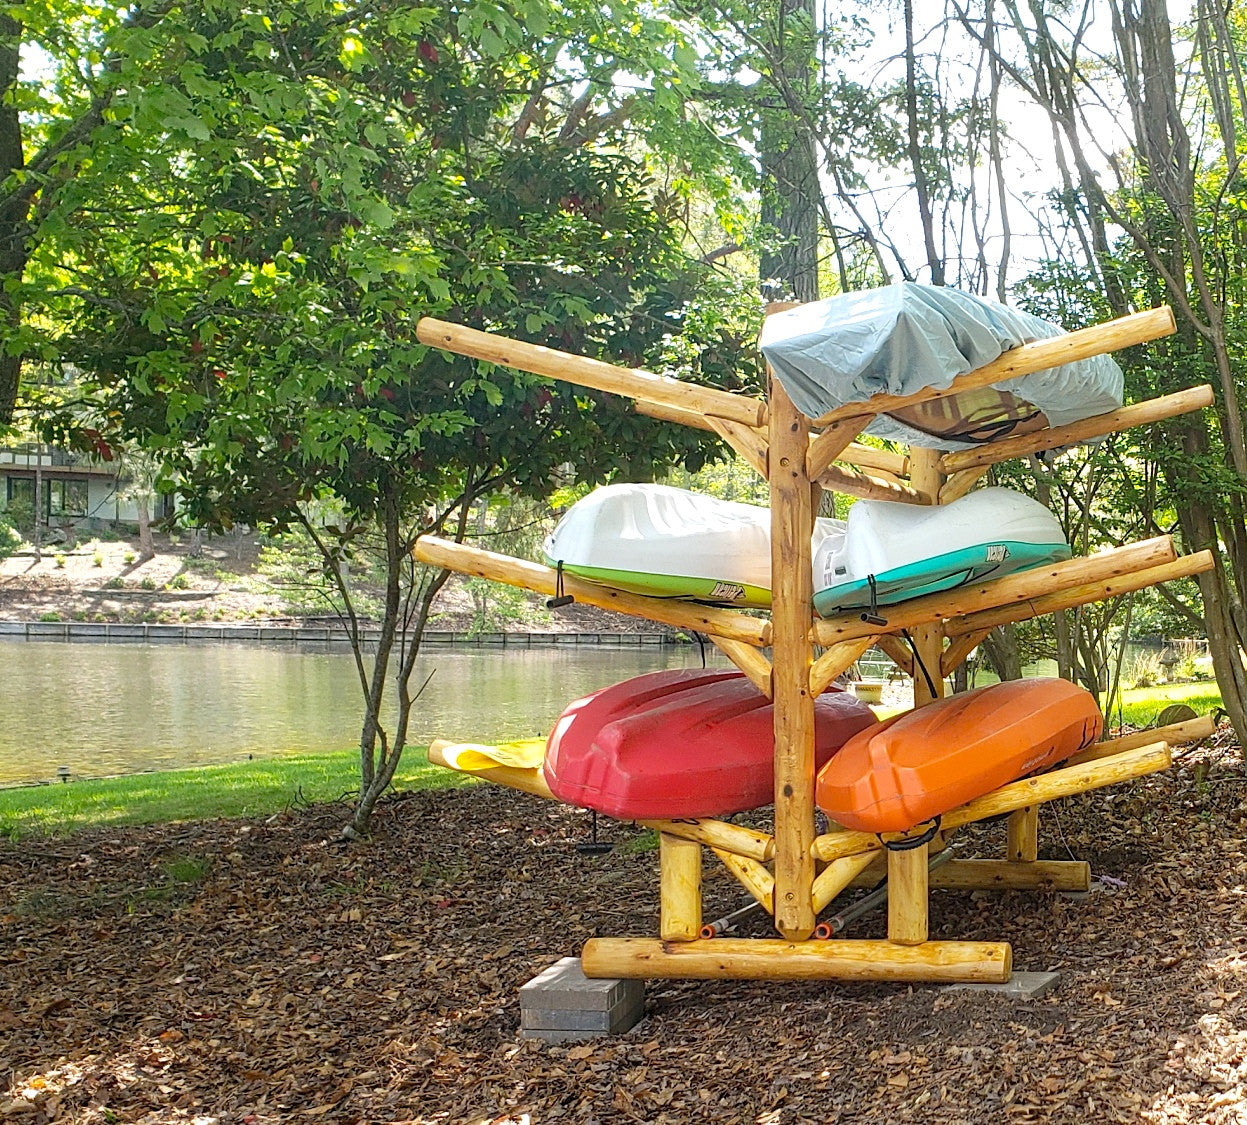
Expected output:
(319, 637)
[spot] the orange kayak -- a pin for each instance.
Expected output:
(918, 765)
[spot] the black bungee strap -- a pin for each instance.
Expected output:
(560, 599)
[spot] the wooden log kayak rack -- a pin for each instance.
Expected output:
(790, 872)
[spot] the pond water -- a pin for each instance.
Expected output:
(110, 709)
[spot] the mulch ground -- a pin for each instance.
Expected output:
(257, 972)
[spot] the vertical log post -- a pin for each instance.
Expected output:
(907, 871)
(1023, 845)
(925, 475)
(679, 865)
(792, 593)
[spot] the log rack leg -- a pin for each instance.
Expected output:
(680, 876)
(907, 896)
(1023, 845)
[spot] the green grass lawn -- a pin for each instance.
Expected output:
(253, 788)
(1140, 706)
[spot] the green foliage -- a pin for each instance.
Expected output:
(19, 516)
(295, 569)
(10, 540)
(1144, 671)
(288, 192)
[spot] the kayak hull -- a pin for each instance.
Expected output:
(682, 743)
(668, 542)
(986, 535)
(920, 764)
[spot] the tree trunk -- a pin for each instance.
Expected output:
(13, 219)
(1003, 654)
(790, 191)
(147, 548)
(935, 262)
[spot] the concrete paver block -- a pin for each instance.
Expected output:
(563, 985)
(1020, 986)
(562, 1004)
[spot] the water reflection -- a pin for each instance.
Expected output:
(108, 709)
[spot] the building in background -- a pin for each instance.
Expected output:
(74, 492)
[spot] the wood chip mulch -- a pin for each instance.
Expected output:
(258, 972)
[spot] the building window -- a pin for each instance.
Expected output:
(21, 489)
(66, 498)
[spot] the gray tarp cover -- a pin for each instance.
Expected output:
(904, 337)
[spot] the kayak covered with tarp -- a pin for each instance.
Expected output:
(891, 552)
(682, 743)
(902, 338)
(921, 764)
(668, 542)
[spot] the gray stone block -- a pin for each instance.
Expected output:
(614, 1022)
(564, 985)
(1020, 986)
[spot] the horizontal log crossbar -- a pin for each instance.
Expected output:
(1005, 875)
(776, 959)
(593, 373)
(728, 623)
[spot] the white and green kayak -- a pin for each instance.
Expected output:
(892, 552)
(670, 543)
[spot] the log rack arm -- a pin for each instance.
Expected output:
(1176, 734)
(1038, 355)
(897, 651)
(867, 486)
(718, 834)
(957, 485)
(834, 661)
(1069, 597)
(960, 648)
(1010, 591)
(831, 443)
(460, 557)
(1062, 782)
(554, 364)
(1087, 429)
(749, 660)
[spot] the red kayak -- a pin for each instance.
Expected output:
(683, 743)
(918, 765)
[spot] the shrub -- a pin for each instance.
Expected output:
(1145, 671)
(10, 540)
(59, 560)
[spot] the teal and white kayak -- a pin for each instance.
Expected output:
(670, 543)
(904, 551)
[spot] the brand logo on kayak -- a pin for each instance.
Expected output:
(997, 553)
(727, 592)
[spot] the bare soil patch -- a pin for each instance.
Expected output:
(262, 972)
